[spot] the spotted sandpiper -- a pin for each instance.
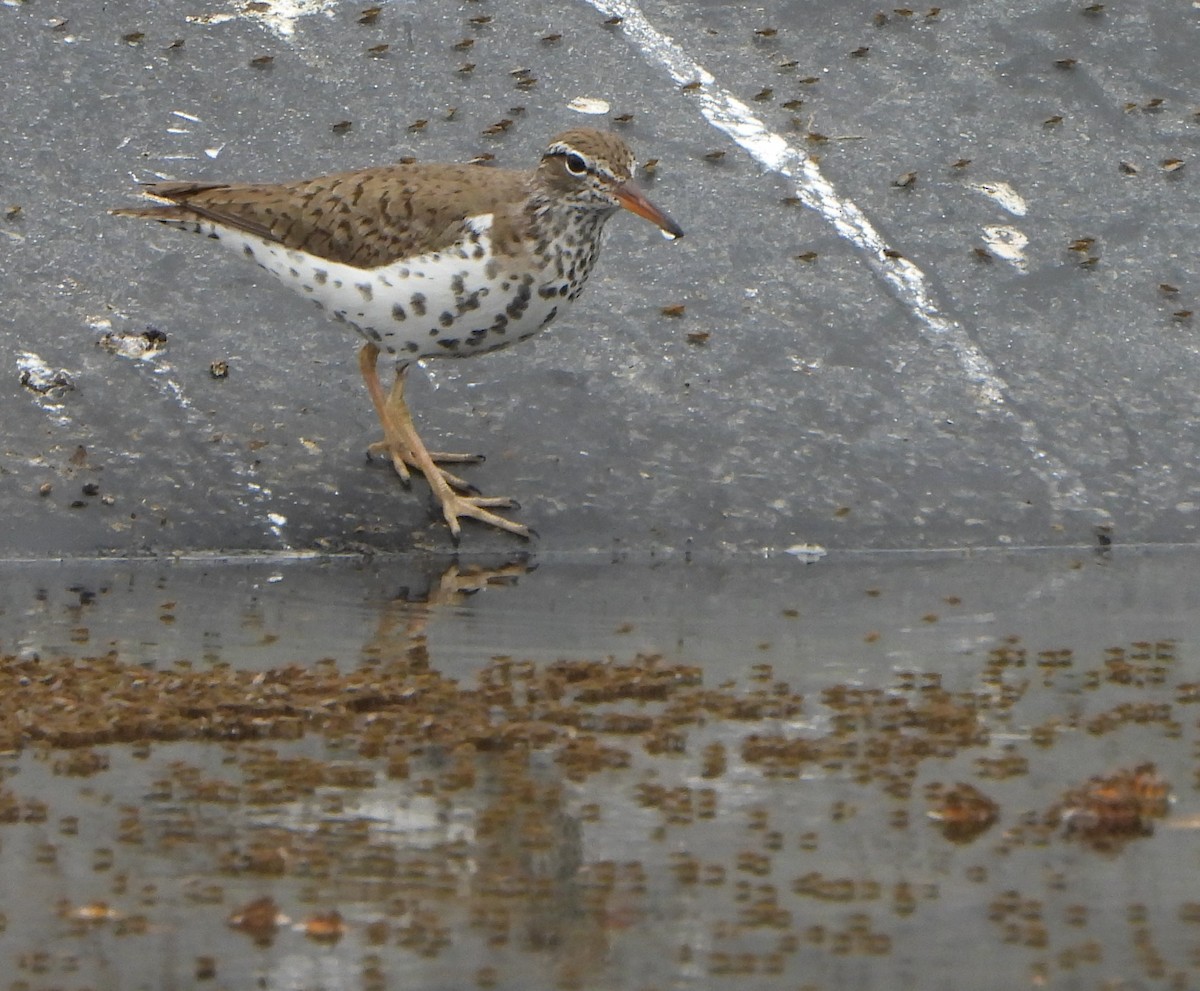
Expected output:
(428, 261)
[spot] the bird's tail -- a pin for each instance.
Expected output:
(172, 207)
(165, 214)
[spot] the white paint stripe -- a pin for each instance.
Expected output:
(728, 114)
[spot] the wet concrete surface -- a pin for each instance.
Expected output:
(903, 499)
(508, 777)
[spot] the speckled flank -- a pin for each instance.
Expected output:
(453, 303)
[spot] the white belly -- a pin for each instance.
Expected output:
(451, 304)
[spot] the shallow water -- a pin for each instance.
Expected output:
(603, 776)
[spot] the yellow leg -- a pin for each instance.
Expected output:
(367, 357)
(402, 462)
(407, 450)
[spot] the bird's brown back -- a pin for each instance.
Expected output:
(367, 218)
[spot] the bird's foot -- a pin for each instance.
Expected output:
(456, 506)
(403, 464)
(381, 447)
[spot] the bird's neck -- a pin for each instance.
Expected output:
(565, 222)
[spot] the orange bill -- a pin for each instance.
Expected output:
(634, 200)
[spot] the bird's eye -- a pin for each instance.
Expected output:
(575, 164)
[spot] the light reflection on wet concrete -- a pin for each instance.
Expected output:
(885, 772)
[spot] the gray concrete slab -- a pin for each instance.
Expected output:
(856, 400)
